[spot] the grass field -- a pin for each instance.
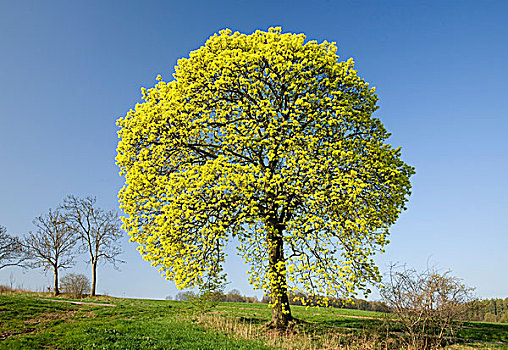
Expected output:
(30, 321)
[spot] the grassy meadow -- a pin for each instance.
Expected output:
(33, 321)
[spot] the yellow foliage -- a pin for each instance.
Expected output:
(262, 137)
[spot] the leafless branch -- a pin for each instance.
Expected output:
(51, 246)
(99, 231)
(11, 252)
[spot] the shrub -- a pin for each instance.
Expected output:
(75, 284)
(428, 305)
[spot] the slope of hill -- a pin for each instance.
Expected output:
(31, 321)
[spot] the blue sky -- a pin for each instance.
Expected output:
(69, 69)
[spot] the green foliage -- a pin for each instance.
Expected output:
(272, 140)
(489, 310)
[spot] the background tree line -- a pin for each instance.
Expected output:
(235, 296)
(357, 304)
(489, 310)
(76, 226)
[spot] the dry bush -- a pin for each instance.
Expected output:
(75, 284)
(430, 306)
(5, 289)
(10, 290)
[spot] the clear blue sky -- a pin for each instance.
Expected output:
(69, 69)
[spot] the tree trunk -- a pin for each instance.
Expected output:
(94, 277)
(56, 291)
(281, 312)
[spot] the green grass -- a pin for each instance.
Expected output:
(29, 322)
(485, 331)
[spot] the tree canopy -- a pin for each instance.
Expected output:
(272, 140)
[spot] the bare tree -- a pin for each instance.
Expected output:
(98, 229)
(11, 253)
(52, 245)
(428, 305)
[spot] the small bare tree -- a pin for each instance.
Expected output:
(11, 252)
(75, 284)
(98, 229)
(52, 245)
(429, 305)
